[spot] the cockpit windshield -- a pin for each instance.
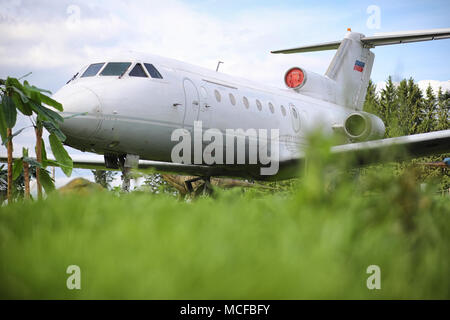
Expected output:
(138, 71)
(115, 68)
(152, 70)
(92, 70)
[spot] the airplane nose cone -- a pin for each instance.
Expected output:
(83, 107)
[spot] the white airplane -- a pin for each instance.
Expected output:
(134, 103)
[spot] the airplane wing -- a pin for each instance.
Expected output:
(98, 163)
(398, 148)
(380, 39)
(365, 153)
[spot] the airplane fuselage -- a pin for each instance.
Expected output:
(137, 115)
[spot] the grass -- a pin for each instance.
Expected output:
(315, 241)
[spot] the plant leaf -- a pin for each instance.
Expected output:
(13, 135)
(22, 95)
(32, 162)
(23, 107)
(13, 82)
(17, 168)
(34, 88)
(46, 181)
(52, 163)
(51, 128)
(24, 76)
(43, 154)
(61, 155)
(46, 113)
(53, 103)
(9, 110)
(3, 126)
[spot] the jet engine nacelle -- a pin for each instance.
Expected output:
(310, 84)
(363, 126)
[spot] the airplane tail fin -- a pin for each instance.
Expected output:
(352, 64)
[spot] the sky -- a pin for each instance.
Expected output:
(54, 39)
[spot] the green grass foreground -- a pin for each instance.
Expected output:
(315, 241)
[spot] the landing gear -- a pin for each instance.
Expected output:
(112, 160)
(126, 179)
(205, 188)
(124, 162)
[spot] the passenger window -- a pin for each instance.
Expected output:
(92, 70)
(232, 99)
(152, 70)
(283, 110)
(295, 118)
(115, 69)
(138, 71)
(245, 100)
(217, 94)
(258, 104)
(272, 109)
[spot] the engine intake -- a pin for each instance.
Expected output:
(362, 126)
(310, 84)
(295, 78)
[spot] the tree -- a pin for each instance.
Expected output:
(389, 108)
(372, 103)
(443, 111)
(410, 106)
(104, 177)
(429, 111)
(21, 180)
(405, 110)
(415, 106)
(157, 183)
(29, 100)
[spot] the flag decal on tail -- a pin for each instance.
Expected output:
(359, 66)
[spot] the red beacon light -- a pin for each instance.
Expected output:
(295, 78)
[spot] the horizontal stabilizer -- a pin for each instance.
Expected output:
(380, 39)
(318, 47)
(383, 39)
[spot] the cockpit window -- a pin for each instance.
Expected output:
(152, 70)
(138, 71)
(92, 70)
(115, 68)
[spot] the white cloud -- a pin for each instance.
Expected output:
(55, 38)
(435, 84)
(423, 85)
(68, 38)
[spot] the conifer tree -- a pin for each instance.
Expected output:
(372, 104)
(410, 107)
(443, 111)
(429, 111)
(388, 108)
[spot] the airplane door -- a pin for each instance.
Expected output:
(192, 104)
(295, 117)
(205, 107)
